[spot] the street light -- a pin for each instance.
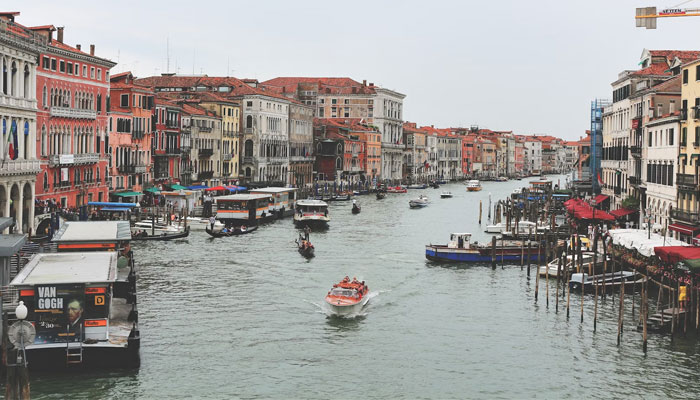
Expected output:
(647, 219)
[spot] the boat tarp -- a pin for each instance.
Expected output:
(128, 194)
(621, 212)
(178, 187)
(198, 187)
(153, 190)
(637, 239)
(674, 254)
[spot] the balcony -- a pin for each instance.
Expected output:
(206, 152)
(204, 175)
(248, 160)
(138, 133)
(248, 131)
(186, 130)
(126, 169)
(687, 182)
(685, 215)
(231, 134)
(171, 151)
(20, 167)
(636, 151)
(139, 169)
(204, 128)
(227, 157)
(73, 159)
(634, 181)
(67, 112)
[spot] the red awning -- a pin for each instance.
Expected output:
(600, 198)
(683, 228)
(674, 254)
(621, 212)
(593, 214)
(215, 188)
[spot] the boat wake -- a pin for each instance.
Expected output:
(323, 308)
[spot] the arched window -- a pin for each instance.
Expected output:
(249, 121)
(43, 143)
(13, 78)
(27, 82)
(46, 180)
(248, 148)
(338, 163)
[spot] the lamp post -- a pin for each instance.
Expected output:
(647, 219)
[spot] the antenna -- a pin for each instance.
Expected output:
(194, 57)
(167, 53)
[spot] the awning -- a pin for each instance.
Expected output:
(177, 187)
(215, 188)
(153, 190)
(111, 204)
(128, 194)
(600, 198)
(198, 187)
(621, 212)
(684, 229)
(674, 254)
(115, 209)
(593, 214)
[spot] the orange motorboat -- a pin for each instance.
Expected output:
(348, 297)
(396, 189)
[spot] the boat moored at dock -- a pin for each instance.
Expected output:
(459, 249)
(244, 209)
(282, 200)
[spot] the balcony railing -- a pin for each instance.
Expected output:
(20, 167)
(227, 157)
(186, 130)
(204, 128)
(248, 160)
(139, 169)
(230, 134)
(205, 175)
(172, 151)
(687, 182)
(126, 169)
(67, 112)
(206, 152)
(636, 151)
(685, 215)
(634, 181)
(248, 130)
(73, 159)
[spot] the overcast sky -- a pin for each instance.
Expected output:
(527, 66)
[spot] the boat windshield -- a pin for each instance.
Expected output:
(342, 292)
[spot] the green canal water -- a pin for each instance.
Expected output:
(242, 317)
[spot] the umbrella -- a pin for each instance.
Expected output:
(177, 187)
(217, 188)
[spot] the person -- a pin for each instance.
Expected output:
(243, 228)
(75, 315)
(307, 231)
(212, 221)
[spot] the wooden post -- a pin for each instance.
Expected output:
(529, 244)
(546, 269)
(593, 262)
(645, 311)
(556, 305)
(580, 268)
(619, 314)
(568, 292)
(153, 224)
(605, 265)
(503, 252)
(522, 253)
(493, 252)
(479, 212)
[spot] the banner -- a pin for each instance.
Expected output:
(64, 175)
(58, 313)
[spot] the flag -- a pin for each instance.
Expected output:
(12, 141)
(600, 181)
(425, 164)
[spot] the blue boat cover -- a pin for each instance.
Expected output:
(197, 187)
(111, 204)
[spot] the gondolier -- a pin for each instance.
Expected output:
(212, 221)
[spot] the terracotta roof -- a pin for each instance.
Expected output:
(193, 109)
(353, 124)
(683, 55)
(322, 85)
(654, 69)
(670, 85)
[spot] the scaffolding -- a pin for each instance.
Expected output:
(597, 107)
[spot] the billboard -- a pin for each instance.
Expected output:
(58, 313)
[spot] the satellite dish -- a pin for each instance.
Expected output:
(21, 332)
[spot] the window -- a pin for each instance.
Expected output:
(249, 104)
(46, 63)
(92, 72)
(84, 71)
(77, 69)
(44, 97)
(53, 64)
(670, 137)
(347, 101)
(685, 76)
(697, 72)
(99, 74)
(684, 136)
(62, 66)
(124, 101)
(334, 101)
(69, 68)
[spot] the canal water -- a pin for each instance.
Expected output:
(242, 317)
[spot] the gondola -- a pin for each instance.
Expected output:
(305, 247)
(356, 209)
(164, 236)
(381, 195)
(235, 232)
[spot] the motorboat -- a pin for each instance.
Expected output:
(311, 213)
(460, 249)
(396, 189)
(356, 208)
(473, 185)
(420, 202)
(553, 266)
(381, 195)
(521, 228)
(145, 236)
(154, 229)
(198, 224)
(347, 297)
(434, 185)
(446, 195)
(608, 281)
(502, 179)
(418, 186)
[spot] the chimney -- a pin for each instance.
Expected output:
(77, 46)
(92, 49)
(59, 34)
(371, 84)
(364, 82)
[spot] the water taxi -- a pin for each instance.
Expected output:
(420, 202)
(311, 213)
(473, 186)
(502, 179)
(347, 297)
(446, 195)
(553, 266)
(418, 186)
(244, 209)
(459, 249)
(81, 300)
(282, 200)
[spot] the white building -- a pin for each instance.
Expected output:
(19, 51)
(388, 118)
(533, 156)
(660, 155)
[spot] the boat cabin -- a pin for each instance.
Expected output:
(237, 209)
(282, 200)
(92, 236)
(459, 241)
(312, 207)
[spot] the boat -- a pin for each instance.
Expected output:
(304, 246)
(342, 196)
(155, 229)
(553, 265)
(420, 202)
(356, 208)
(196, 223)
(446, 195)
(418, 186)
(521, 228)
(282, 200)
(607, 281)
(381, 195)
(502, 179)
(225, 232)
(311, 213)
(144, 236)
(347, 298)
(473, 185)
(396, 189)
(459, 249)
(434, 185)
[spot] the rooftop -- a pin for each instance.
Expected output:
(93, 231)
(63, 268)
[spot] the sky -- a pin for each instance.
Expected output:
(532, 67)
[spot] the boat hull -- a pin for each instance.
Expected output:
(473, 189)
(443, 253)
(347, 309)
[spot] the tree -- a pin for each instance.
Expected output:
(630, 203)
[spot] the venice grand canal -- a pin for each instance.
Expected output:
(243, 317)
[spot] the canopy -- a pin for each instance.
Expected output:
(153, 190)
(111, 204)
(600, 198)
(674, 254)
(177, 187)
(234, 188)
(638, 239)
(215, 188)
(589, 213)
(683, 228)
(690, 265)
(128, 194)
(621, 212)
(115, 208)
(198, 187)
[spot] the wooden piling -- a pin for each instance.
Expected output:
(493, 252)
(556, 301)
(503, 252)
(546, 269)
(619, 311)
(580, 266)
(479, 212)
(522, 254)
(605, 265)
(645, 312)
(529, 244)
(593, 262)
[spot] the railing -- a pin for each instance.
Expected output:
(138, 133)
(172, 151)
(206, 152)
(186, 129)
(204, 128)
(230, 134)
(73, 159)
(248, 130)
(19, 167)
(139, 169)
(126, 169)
(205, 175)
(227, 157)
(685, 215)
(634, 180)
(636, 151)
(68, 112)
(17, 102)
(687, 182)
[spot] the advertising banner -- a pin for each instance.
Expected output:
(58, 313)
